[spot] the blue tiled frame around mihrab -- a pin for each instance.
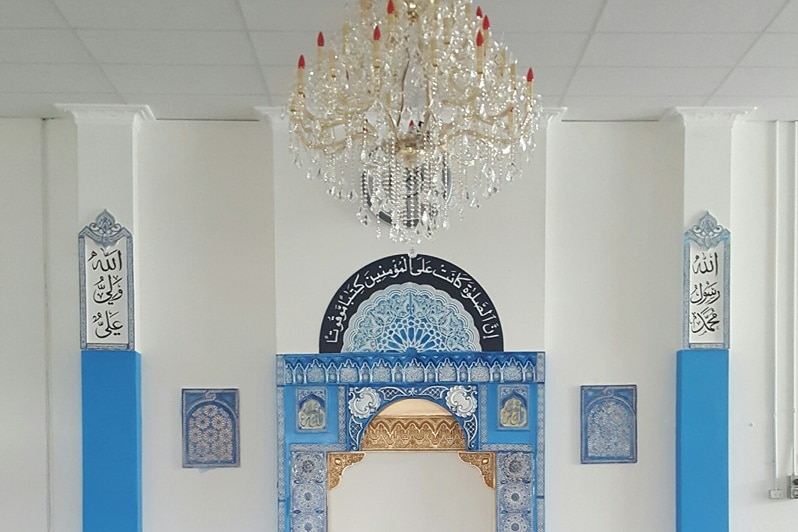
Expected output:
(358, 385)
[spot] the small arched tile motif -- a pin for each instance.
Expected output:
(513, 407)
(609, 424)
(210, 428)
(311, 413)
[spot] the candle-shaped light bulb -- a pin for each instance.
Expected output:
(530, 80)
(319, 48)
(480, 52)
(375, 45)
(391, 7)
(486, 27)
(300, 73)
(479, 12)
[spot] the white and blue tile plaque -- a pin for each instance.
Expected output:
(609, 424)
(210, 428)
(707, 256)
(105, 249)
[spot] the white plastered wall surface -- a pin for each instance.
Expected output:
(239, 256)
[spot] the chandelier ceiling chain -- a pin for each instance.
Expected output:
(415, 112)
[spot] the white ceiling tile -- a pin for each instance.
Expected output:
(667, 49)
(595, 108)
(40, 105)
(200, 106)
(283, 48)
(787, 20)
(545, 49)
(30, 14)
(280, 80)
(290, 15)
(76, 78)
(708, 16)
(542, 16)
(613, 81)
(158, 47)
(772, 82)
(188, 80)
(152, 14)
(551, 81)
(773, 50)
(41, 46)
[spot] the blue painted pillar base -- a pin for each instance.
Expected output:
(111, 393)
(702, 440)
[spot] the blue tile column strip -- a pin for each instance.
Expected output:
(702, 440)
(111, 393)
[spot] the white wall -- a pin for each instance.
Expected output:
(206, 301)
(239, 256)
(613, 311)
(23, 329)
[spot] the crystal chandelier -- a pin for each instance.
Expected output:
(415, 112)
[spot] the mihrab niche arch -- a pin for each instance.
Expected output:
(326, 401)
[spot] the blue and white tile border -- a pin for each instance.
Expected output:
(609, 424)
(707, 259)
(105, 250)
(360, 384)
(210, 421)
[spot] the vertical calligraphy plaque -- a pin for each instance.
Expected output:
(706, 285)
(106, 285)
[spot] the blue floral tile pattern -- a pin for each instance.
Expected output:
(411, 316)
(609, 424)
(210, 428)
(472, 386)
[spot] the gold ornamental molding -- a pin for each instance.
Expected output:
(485, 462)
(336, 463)
(417, 433)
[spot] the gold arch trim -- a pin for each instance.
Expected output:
(336, 463)
(485, 462)
(417, 433)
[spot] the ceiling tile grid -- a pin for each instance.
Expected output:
(602, 59)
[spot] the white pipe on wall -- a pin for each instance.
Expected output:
(776, 245)
(795, 301)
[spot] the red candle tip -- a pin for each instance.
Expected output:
(529, 76)
(480, 39)
(301, 63)
(479, 11)
(485, 23)
(320, 40)
(391, 7)
(377, 33)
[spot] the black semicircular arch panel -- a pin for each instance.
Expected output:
(422, 270)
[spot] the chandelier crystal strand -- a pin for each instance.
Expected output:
(415, 112)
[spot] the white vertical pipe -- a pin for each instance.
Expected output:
(795, 300)
(776, 313)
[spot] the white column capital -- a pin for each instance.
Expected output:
(708, 116)
(271, 114)
(551, 115)
(110, 114)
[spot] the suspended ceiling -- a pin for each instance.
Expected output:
(217, 59)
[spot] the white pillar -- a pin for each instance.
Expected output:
(707, 160)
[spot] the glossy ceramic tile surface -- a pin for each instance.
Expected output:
(210, 428)
(609, 424)
(495, 398)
